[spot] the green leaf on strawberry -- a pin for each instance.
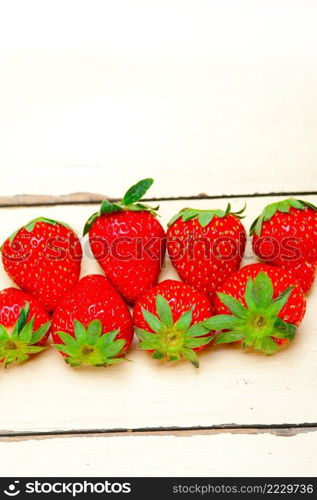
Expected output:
(128, 202)
(89, 346)
(31, 225)
(283, 206)
(18, 345)
(172, 340)
(257, 324)
(136, 192)
(204, 216)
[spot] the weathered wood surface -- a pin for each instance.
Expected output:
(214, 97)
(230, 387)
(197, 455)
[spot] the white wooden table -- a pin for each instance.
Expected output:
(238, 414)
(214, 118)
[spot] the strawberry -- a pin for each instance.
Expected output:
(168, 320)
(128, 242)
(285, 235)
(43, 258)
(206, 246)
(259, 305)
(24, 326)
(92, 325)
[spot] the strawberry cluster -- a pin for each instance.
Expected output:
(259, 306)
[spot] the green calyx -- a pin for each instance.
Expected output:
(172, 341)
(204, 216)
(31, 225)
(257, 324)
(280, 206)
(89, 346)
(18, 346)
(130, 201)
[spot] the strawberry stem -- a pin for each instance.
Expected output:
(22, 342)
(31, 225)
(283, 206)
(205, 216)
(130, 201)
(89, 346)
(172, 340)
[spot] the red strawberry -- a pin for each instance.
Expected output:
(24, 326)
(285, 234)
(206, 246)
(43, 258)
(259, 305)
(128, 242)
(92, 325)
(168, 321)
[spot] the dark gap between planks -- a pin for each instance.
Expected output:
(253, 428)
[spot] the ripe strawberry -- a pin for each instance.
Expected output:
(206, 246)
(259, 305)
(128, 242)
(92, 325)
(168, 320)
(43, 258)
(285, 235)
(24, 326)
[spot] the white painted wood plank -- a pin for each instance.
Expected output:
(230, 386)
(201, 455)
(220, 96)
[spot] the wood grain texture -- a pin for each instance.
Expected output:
(200, 455)
(230, 387)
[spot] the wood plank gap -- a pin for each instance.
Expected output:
(278, 429)
(92, 199)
